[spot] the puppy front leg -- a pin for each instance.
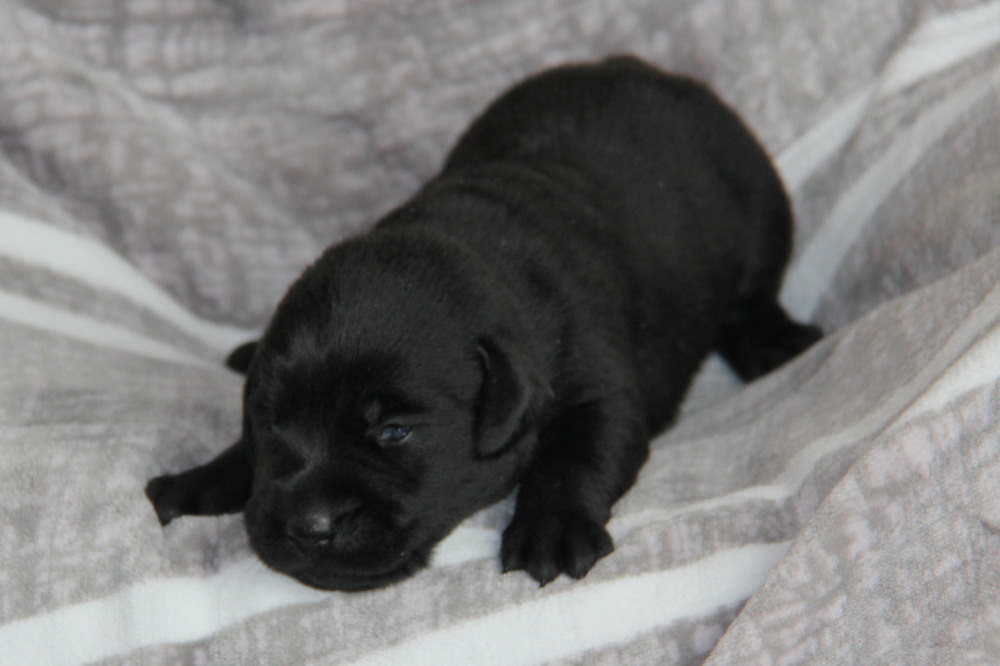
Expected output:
(589, 456)
(222, 485)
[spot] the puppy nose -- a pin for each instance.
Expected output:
(316, 526)
(311, 530)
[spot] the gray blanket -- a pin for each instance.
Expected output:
(168, 166)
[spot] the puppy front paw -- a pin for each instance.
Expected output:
(222, 485)
(548, 543)
(167, 500)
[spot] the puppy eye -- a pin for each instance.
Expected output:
(393, 434)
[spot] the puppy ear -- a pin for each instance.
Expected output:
(239, 359)
(509, 393)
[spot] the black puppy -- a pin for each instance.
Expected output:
(530, 318)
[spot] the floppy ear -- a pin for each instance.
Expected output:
(240, 358)
(509, 391)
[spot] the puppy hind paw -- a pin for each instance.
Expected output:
(792, 341)
(799, 337)
(547, 546)
(756, 354)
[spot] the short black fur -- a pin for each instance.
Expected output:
(529, 319)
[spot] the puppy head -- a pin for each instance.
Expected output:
(383, 405)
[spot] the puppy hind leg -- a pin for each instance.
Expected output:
(222, 485)
(761, 337)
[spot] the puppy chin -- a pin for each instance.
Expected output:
(353, 573)
(332, 578)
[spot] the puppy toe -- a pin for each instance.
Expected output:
(543, 566)
(512, 550)
(584, 547)
(528, 546)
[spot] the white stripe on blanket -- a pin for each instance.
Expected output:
(936, 45)
(43, 317)
(578, 619)
(815, 268)
(95, 265)
(149, 613)
(799, 161)
(187, 609)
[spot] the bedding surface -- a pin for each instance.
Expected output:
(167, 167)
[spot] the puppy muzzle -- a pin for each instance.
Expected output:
(346, 541)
